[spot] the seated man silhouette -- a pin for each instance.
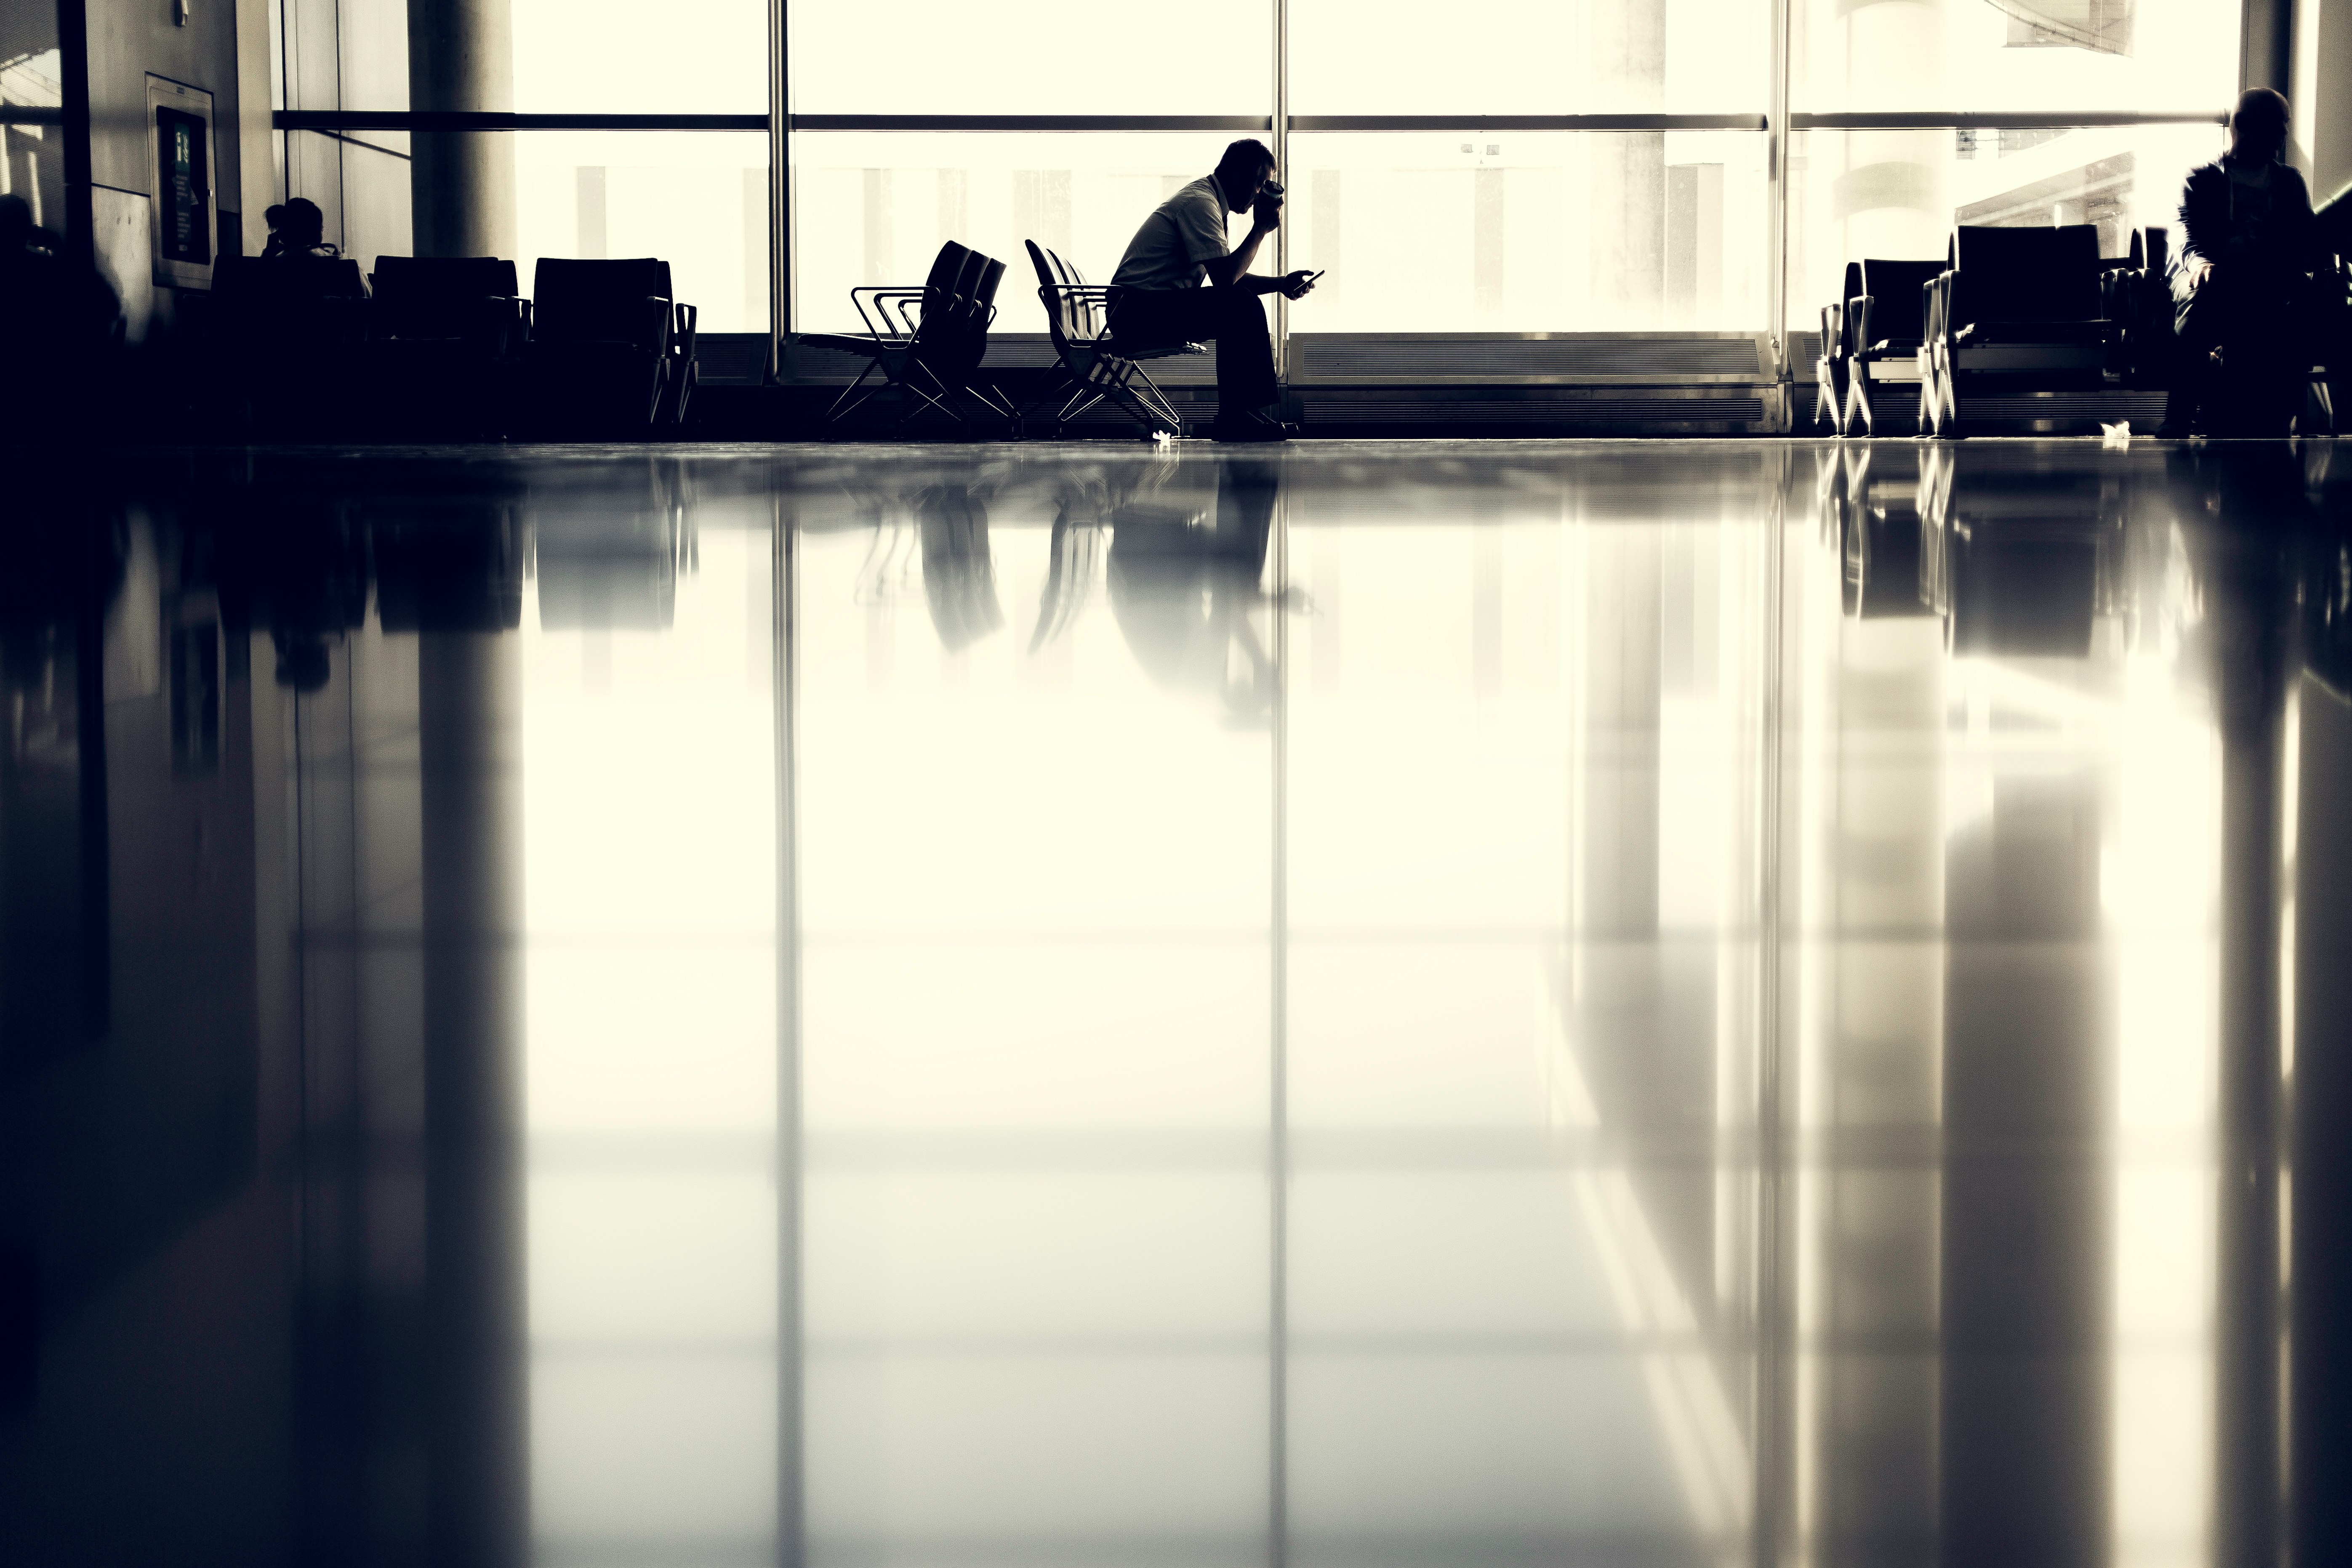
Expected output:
(2240, 280)
(299, 233)
(1181, 282)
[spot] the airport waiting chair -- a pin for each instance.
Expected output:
(2015, 310)
(1886, 327)
(1831, 367)
(611, 349)
(2136, 296)
(288, 332)
(444, 333)
(927, 343)
(1077, 316)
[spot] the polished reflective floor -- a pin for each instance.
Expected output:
(1400, 1004)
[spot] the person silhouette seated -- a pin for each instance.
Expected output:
(61, 321)
(1180, 281)
(2241, 281)
(297, 231)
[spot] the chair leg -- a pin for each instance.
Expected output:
(842, 405)
(1160, 400)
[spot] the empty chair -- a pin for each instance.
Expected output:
(443, 334)
(2017, 311)
(927, 343)
(1100, 367)
(1887, 328)
(612, 351)
(288, 331)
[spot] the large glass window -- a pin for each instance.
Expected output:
(875, 207)
(1032, 56)
(1899, 193)
(616, 57)
(2016, 56)
(1530, 57)
(699, 201)
(1529, 231)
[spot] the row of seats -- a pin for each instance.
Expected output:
(449, 345)
(2007, 311)
(928, 340)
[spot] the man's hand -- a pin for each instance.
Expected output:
(1296, 285)
(2196, 277)
(1266, 213)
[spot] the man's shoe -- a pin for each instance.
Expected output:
(1252, 427)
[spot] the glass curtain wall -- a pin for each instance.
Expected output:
(1600, 166)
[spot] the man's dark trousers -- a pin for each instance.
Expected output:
(1235, 321)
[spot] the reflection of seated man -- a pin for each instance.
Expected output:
(2238, 279)
(300, 234)
(1160, 297)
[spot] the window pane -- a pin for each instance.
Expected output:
(1586, 231)
(616, 57)
(1032, 56)
(2147, 55)
(697, 200)
(1530, 57)
(874, 207)
(1898, 194)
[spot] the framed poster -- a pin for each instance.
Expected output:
(180, 157)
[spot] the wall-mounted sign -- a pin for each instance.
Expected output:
(180, 133)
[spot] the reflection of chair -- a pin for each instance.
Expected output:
(1076, 314)
(931, 355)
(1886, 323)
(611, 349)
(2016, 311)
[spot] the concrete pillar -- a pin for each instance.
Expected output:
(470, 722)
(461, 183)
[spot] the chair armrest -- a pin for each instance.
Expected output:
(1857, 321)
(684, 321)
(884, 297)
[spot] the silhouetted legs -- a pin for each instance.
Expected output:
(1234, 320)
(2255, 316)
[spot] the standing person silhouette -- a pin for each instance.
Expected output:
(1180, 281)
(2240, 281)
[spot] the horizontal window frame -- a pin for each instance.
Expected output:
(348, 119)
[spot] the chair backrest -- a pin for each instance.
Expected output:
(953, 335)
(293, 278)
(2149, 246)
(2025, 274)
(984, 293)
(1069, 317)
(1897, 310)
(946, 267)
(440, 280)
(594, 301)
(436, 296)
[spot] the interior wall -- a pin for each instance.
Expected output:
(123, 42)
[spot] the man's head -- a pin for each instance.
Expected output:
(2258, 126)
(1243, 171)
(303, 224)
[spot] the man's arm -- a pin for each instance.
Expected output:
(1233, 270)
